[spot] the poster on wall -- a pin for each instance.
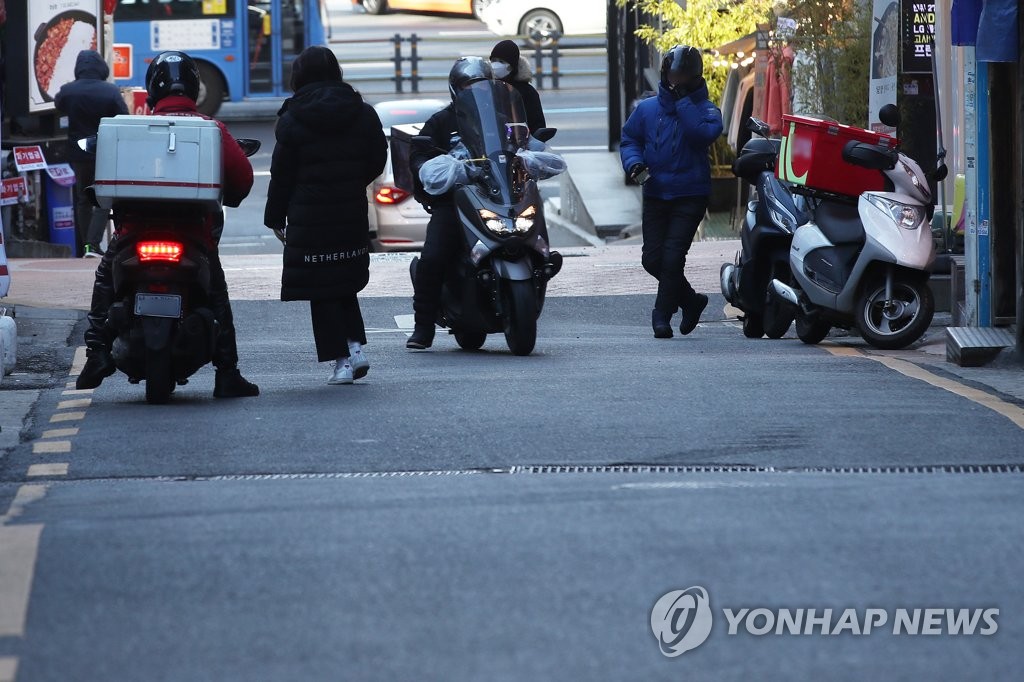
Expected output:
(885, 51)
(918, 36)
(57, 31)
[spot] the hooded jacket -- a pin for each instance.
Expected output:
(672, 137)
(330, 146)
(520, 79)
(87, 99)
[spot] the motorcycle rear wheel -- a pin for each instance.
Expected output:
(521, 312)
(159, 377)
(811, 332)
(777, 318)
(753, 327)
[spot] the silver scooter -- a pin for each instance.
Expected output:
(866, 265)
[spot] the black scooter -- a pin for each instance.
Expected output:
(162, 318)
(772, 218)
(499, 284)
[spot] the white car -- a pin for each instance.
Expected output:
(397, 221)
(540, 20)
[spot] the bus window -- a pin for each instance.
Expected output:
(152, 10)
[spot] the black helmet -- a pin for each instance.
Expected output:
(682, 59)
(172, 73)
(468, 70)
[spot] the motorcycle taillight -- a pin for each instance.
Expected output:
(162, 251)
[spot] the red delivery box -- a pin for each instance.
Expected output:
(811, 156)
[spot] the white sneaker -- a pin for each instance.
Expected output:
(360, 365)
(342, 373)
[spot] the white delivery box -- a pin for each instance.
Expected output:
(158, 158)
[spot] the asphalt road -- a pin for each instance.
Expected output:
(282, 537)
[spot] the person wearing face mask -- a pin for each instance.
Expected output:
(510, 67)
(665, 145)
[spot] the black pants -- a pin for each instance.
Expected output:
(335, 323)
(669, 227)
(90, 221)
(98, 335)
(441, 249)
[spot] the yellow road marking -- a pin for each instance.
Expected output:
(70, 384)
(51, 447)
(74, 404)
(67, 417)
(8, 669)
(78, 363)
(1012, 412)
(17, 566)
(49, 469)
(59, 433)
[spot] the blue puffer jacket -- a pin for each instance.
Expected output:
(672, 137)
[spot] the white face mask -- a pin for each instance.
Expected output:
(501, 70)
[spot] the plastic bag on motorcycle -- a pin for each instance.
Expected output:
(542, 165)
(441, 173)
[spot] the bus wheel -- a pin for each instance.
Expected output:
(211, 89)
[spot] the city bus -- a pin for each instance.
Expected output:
(244, 48)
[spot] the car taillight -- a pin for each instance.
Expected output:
(391, 195)
(168, 252)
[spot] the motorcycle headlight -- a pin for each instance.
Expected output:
(906, 216)
(501, 227)
(524, 223)
(779, 213)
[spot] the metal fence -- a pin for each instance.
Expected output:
(415, 72)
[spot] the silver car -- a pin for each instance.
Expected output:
(397, 221)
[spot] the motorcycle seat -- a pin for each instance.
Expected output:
(839, 222)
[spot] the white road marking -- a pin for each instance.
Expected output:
(75, 404)
(49, 469)
(52, 447)
(405, 322)
(8, 668)
(67, 417)
(59, 433)
(78, 363)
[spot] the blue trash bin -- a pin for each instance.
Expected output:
(61, 203)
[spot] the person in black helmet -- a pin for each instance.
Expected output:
(665, 145)
(443, 241)
(172, 82)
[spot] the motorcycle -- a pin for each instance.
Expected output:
(773, 215)
(500, 282)
(161, 317)
(866, 265)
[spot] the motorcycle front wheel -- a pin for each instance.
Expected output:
(470, 340)
(898, 322)
(520, 308)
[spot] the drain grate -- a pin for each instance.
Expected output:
(743, 469)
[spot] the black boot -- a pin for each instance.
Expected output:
(662, 324)
(229, 383)
(422, 337)
(99, 365)
(692, 310)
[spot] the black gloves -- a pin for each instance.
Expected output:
(638, 173)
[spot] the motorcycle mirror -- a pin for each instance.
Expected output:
(756, 125)
(88, 144)
(249, 146)
(889, 115)
(940, 173)
(545, 134)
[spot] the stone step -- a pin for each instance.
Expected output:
(976, 346)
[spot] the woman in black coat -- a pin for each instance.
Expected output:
(330, 146)
(509, 66)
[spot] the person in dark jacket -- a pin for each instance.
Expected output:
(665, 145)
(172, 81)
(330, 146)
(443, 241)
(85, 101)
(510, 67)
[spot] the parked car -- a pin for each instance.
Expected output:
(467, 7)
(397, 221)
(541, 20)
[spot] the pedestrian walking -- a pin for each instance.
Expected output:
(665, 145)
(330, 146)
(85, 101)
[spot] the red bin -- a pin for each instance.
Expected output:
(811, 156)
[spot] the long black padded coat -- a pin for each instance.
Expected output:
(330, 146)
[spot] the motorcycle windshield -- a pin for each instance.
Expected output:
(491, 119)
(492, 125)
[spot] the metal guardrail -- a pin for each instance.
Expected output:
(547, 60)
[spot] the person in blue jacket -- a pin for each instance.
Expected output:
(665, 145)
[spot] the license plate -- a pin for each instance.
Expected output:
(158, 305)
